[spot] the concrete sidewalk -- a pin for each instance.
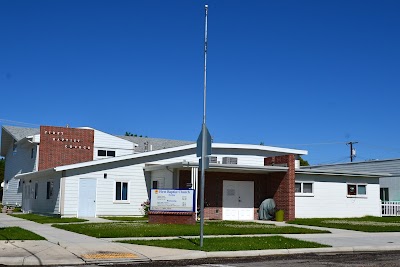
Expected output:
(66, 248)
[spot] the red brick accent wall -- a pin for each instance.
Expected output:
(172, 217)
(265, 186)
(283, 185)
(62, 146)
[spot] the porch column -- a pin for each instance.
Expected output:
(284, 195)
(194, 179)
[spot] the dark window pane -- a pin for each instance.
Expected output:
(36, 190)
(111, 153)
(307, 188)
(362, 189)
(118, 191)
(124, 191)
(351, 189)
(155, 184)
(297, 188)
(48, 191)
(101, 153)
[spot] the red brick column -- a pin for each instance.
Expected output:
(284, 193)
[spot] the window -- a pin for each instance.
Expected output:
(101, 153)
(50, 186)
(304, 189)
(36, 190)
(104, 153)
(121, 191)
(384, 194)
(155, 185)
(14, 147)
(354, 190)
(32, 151)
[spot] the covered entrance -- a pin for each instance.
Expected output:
(238, 200)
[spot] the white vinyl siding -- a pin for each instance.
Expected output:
(108, 142)
(16, 163)
(38, 196)
(331, 200)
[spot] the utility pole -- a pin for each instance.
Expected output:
(352, 151)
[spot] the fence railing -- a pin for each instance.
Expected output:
(390, 208)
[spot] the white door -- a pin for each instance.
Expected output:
(87, 198)
(238, 200)
(26, 200)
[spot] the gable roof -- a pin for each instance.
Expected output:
(11, 133)
(187, 149)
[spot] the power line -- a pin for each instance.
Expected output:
(312, 144)
(18, 123)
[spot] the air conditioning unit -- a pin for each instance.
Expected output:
(229, 160)
(213, 160)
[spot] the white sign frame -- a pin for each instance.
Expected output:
(172, 200)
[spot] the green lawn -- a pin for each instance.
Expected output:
(363, 224)
(144, 229)
(16, 233)
(230, 243)
(126, 219)
(46, 219)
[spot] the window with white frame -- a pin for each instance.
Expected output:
(121, 191)
(304, 188)
(354, 190)
(106, 153)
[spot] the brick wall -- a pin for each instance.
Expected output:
(263, 189)
(283, 185)
(172, 217)
(62, 146)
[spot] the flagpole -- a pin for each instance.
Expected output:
(204, 136)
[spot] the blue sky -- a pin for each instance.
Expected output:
(302, 74)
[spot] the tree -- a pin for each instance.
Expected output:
(303, 162)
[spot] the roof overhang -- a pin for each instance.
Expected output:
(341, 173)
(216, 167)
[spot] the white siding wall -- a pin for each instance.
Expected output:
(104, 141)
(330, 198)
(41, 204)
(105, 193)
(166, 176)
(393, 183)
(71, 196)
(16, 163)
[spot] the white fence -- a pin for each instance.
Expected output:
(390, 208)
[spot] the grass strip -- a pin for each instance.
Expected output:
(126, 219)
(17, 233)
(46, 219)
(230, 243)
(363, 224)
(144, 229)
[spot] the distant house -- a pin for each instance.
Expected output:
(97, 174)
